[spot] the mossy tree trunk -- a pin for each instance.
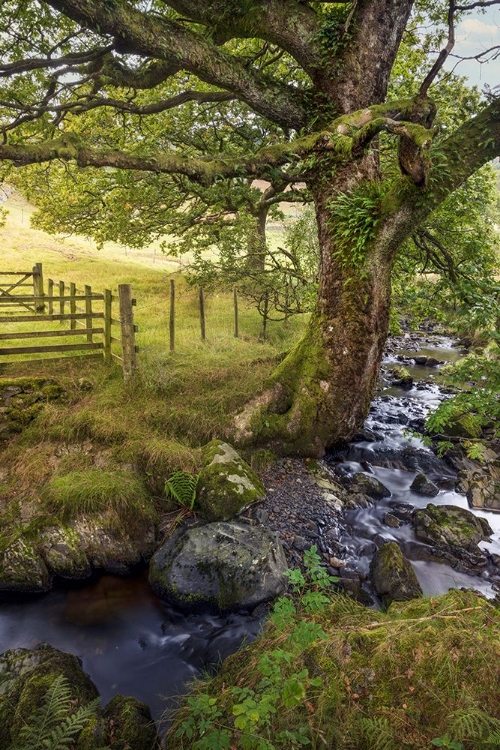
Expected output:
(321, 393)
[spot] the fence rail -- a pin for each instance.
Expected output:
(85, 308)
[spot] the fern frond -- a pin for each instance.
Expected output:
(54, 726)
(181, 486)
(379, 733)
(473, 724)
(54, 708)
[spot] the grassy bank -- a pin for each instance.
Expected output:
(178, 401)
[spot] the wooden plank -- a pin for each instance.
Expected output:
(72, 305)
(116, 358)
(47, 334)
(43, 360)
(32, 318)
(50, 348)
(38, 287)
(235, 301)
(108, 298)
(128, 331)
(88, 310)
(202, 314)
(61, 298)
(172, 315)
(115, 340)
(50, 293)
(16, 273)
(52, 297)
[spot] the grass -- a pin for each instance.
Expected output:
(178, 401)
(426, 669)
(94, 491)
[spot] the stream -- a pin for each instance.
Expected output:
(394, 457)
(132, 643)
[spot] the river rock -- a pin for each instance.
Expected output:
(220, 566)
(22, 569)
(393, 576)
(25, 677)
(479, 480)
(227, 485)
(400, 376)
(456, 530)
(422, 485)
(367, 485)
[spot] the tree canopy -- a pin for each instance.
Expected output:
(322, 99)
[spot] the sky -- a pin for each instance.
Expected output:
(476, 33)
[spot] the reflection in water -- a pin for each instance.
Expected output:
(130, 641)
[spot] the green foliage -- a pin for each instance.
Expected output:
(56, 724)
(354, 218)
(95, 491)
(181, 486)
(253, 708)
(475, 408)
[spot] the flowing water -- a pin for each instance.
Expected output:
(132, 643)
(394, 457)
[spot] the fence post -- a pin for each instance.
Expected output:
(61, 299)
(38, 287)
(50, 292)
(88, 310)
(172, 315)
(72, 305)
(108, 300)
(235, 298)
(128, 331)
(202, 314)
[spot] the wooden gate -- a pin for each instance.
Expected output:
(87, 318)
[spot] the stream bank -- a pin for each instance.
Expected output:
(132, 642)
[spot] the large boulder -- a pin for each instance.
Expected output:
(226, 485)
(450, 526)
(221, 567)
(393, 576)
(27, 676)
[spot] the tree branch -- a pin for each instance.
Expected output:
(150, 36)
(441, 59)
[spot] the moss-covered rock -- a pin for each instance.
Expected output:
(457, 530)
(402, 377)
(220, 566)
(422, 485)
(22, 399)
(130, 724)
(365, 484)
(227, 484)
(22, 569)
(27, 675)
(62, 552)
(393, 576)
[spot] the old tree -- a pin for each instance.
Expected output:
(316, 75)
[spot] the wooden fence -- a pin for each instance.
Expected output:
(89, 315)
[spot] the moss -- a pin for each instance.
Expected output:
(226, 483)
(404, 677)
(130, 724)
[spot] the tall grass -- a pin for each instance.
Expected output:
(179, 400)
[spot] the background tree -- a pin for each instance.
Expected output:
(334, 104)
